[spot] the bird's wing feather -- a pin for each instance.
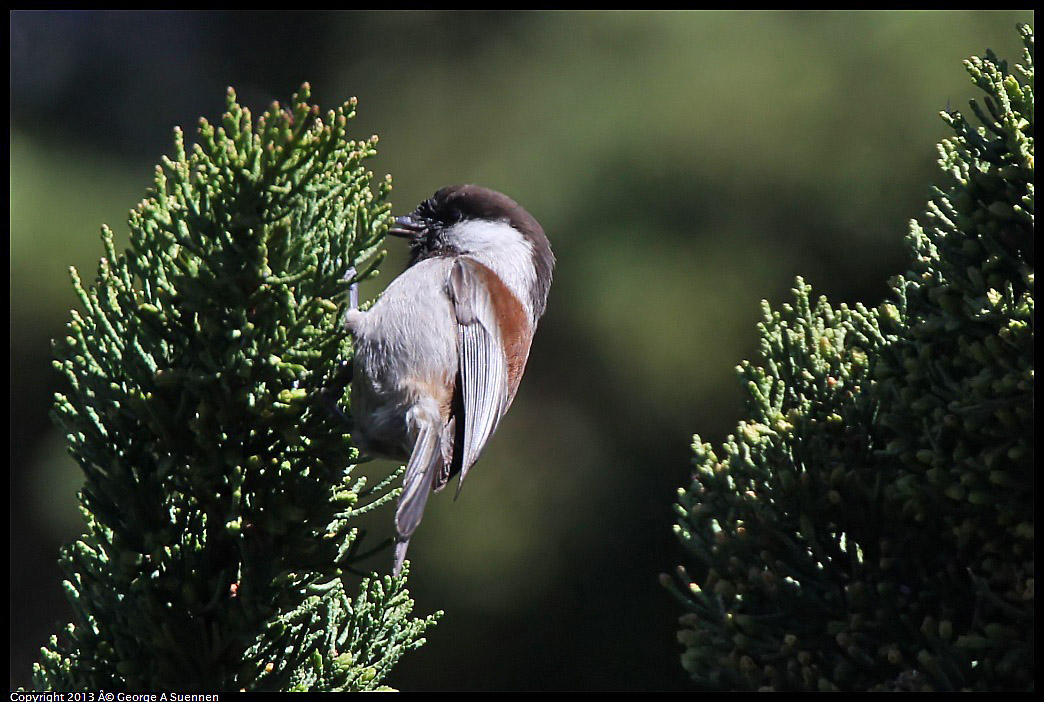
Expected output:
(483, 363)
(424, 464)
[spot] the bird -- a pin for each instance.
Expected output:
(440, 354)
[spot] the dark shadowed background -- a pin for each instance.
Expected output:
(684, 165)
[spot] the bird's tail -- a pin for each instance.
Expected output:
(423, 468)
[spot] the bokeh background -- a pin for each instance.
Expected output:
(684, 165)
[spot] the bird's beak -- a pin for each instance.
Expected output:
(408, 227)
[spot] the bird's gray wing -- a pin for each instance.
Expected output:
(483, 363)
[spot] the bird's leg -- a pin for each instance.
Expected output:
(353, 289)
(353, 297)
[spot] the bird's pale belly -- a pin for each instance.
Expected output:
(389, 390)
(379, 409)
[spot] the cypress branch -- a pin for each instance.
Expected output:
(870, 526)
(219, 499)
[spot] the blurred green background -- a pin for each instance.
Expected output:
(684, 165)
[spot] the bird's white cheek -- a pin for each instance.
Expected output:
(504, 250)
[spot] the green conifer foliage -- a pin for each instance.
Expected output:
(870, 527)
(219, 498)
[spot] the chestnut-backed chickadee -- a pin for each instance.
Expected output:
(439, 356)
